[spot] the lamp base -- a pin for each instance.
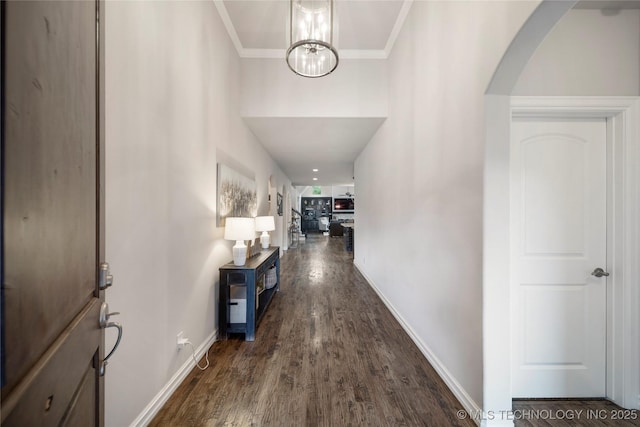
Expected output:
(265, 240)
(239, 253)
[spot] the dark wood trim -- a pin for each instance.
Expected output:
(99, 380)
(2, 127)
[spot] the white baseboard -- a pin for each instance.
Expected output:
(152, 409)
(458, 391)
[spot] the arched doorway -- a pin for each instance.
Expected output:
(496, 271)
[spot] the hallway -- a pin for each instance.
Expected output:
(327, 353)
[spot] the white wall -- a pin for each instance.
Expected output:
(270, 89)
(325, 191)
(342, 190)
(307, 191)
(172, 112)
(427, 161)
(588, 53)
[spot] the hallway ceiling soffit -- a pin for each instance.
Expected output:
(300, 144)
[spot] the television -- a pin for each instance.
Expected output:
(343, 205)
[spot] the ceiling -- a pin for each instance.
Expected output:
(365, 29)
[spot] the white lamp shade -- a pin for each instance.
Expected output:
(239, 229)
(265, 223)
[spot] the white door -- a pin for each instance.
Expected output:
(558, 229)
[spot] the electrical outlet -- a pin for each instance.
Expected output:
(181, 341)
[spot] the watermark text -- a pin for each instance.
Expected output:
(551, 414)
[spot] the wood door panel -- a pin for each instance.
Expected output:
(60, 375)
(51, 179)
(50, 174)
(82, 411)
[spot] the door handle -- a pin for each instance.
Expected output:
(105, 323)
(598, 272)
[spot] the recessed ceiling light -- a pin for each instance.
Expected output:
(315, 179)
(315, 170)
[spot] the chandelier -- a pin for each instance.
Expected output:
(311, 53)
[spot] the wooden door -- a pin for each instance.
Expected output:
(559, 206)
(52, 222)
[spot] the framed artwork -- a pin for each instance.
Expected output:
(279, 204)
(237, 195)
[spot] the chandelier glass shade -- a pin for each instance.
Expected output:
(311, 25)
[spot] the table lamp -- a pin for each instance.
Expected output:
(239, 229)
(265, 224)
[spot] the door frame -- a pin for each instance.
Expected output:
(622, 116)
(623, 347)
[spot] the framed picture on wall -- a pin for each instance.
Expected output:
(237, 195)
(279, 204)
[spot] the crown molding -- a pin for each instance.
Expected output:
(402, 16)
(343, 53)
(226, 20)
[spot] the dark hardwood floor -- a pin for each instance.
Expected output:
(327, 353)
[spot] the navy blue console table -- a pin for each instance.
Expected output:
(252, 280)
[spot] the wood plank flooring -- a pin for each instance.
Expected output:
(327, 353)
